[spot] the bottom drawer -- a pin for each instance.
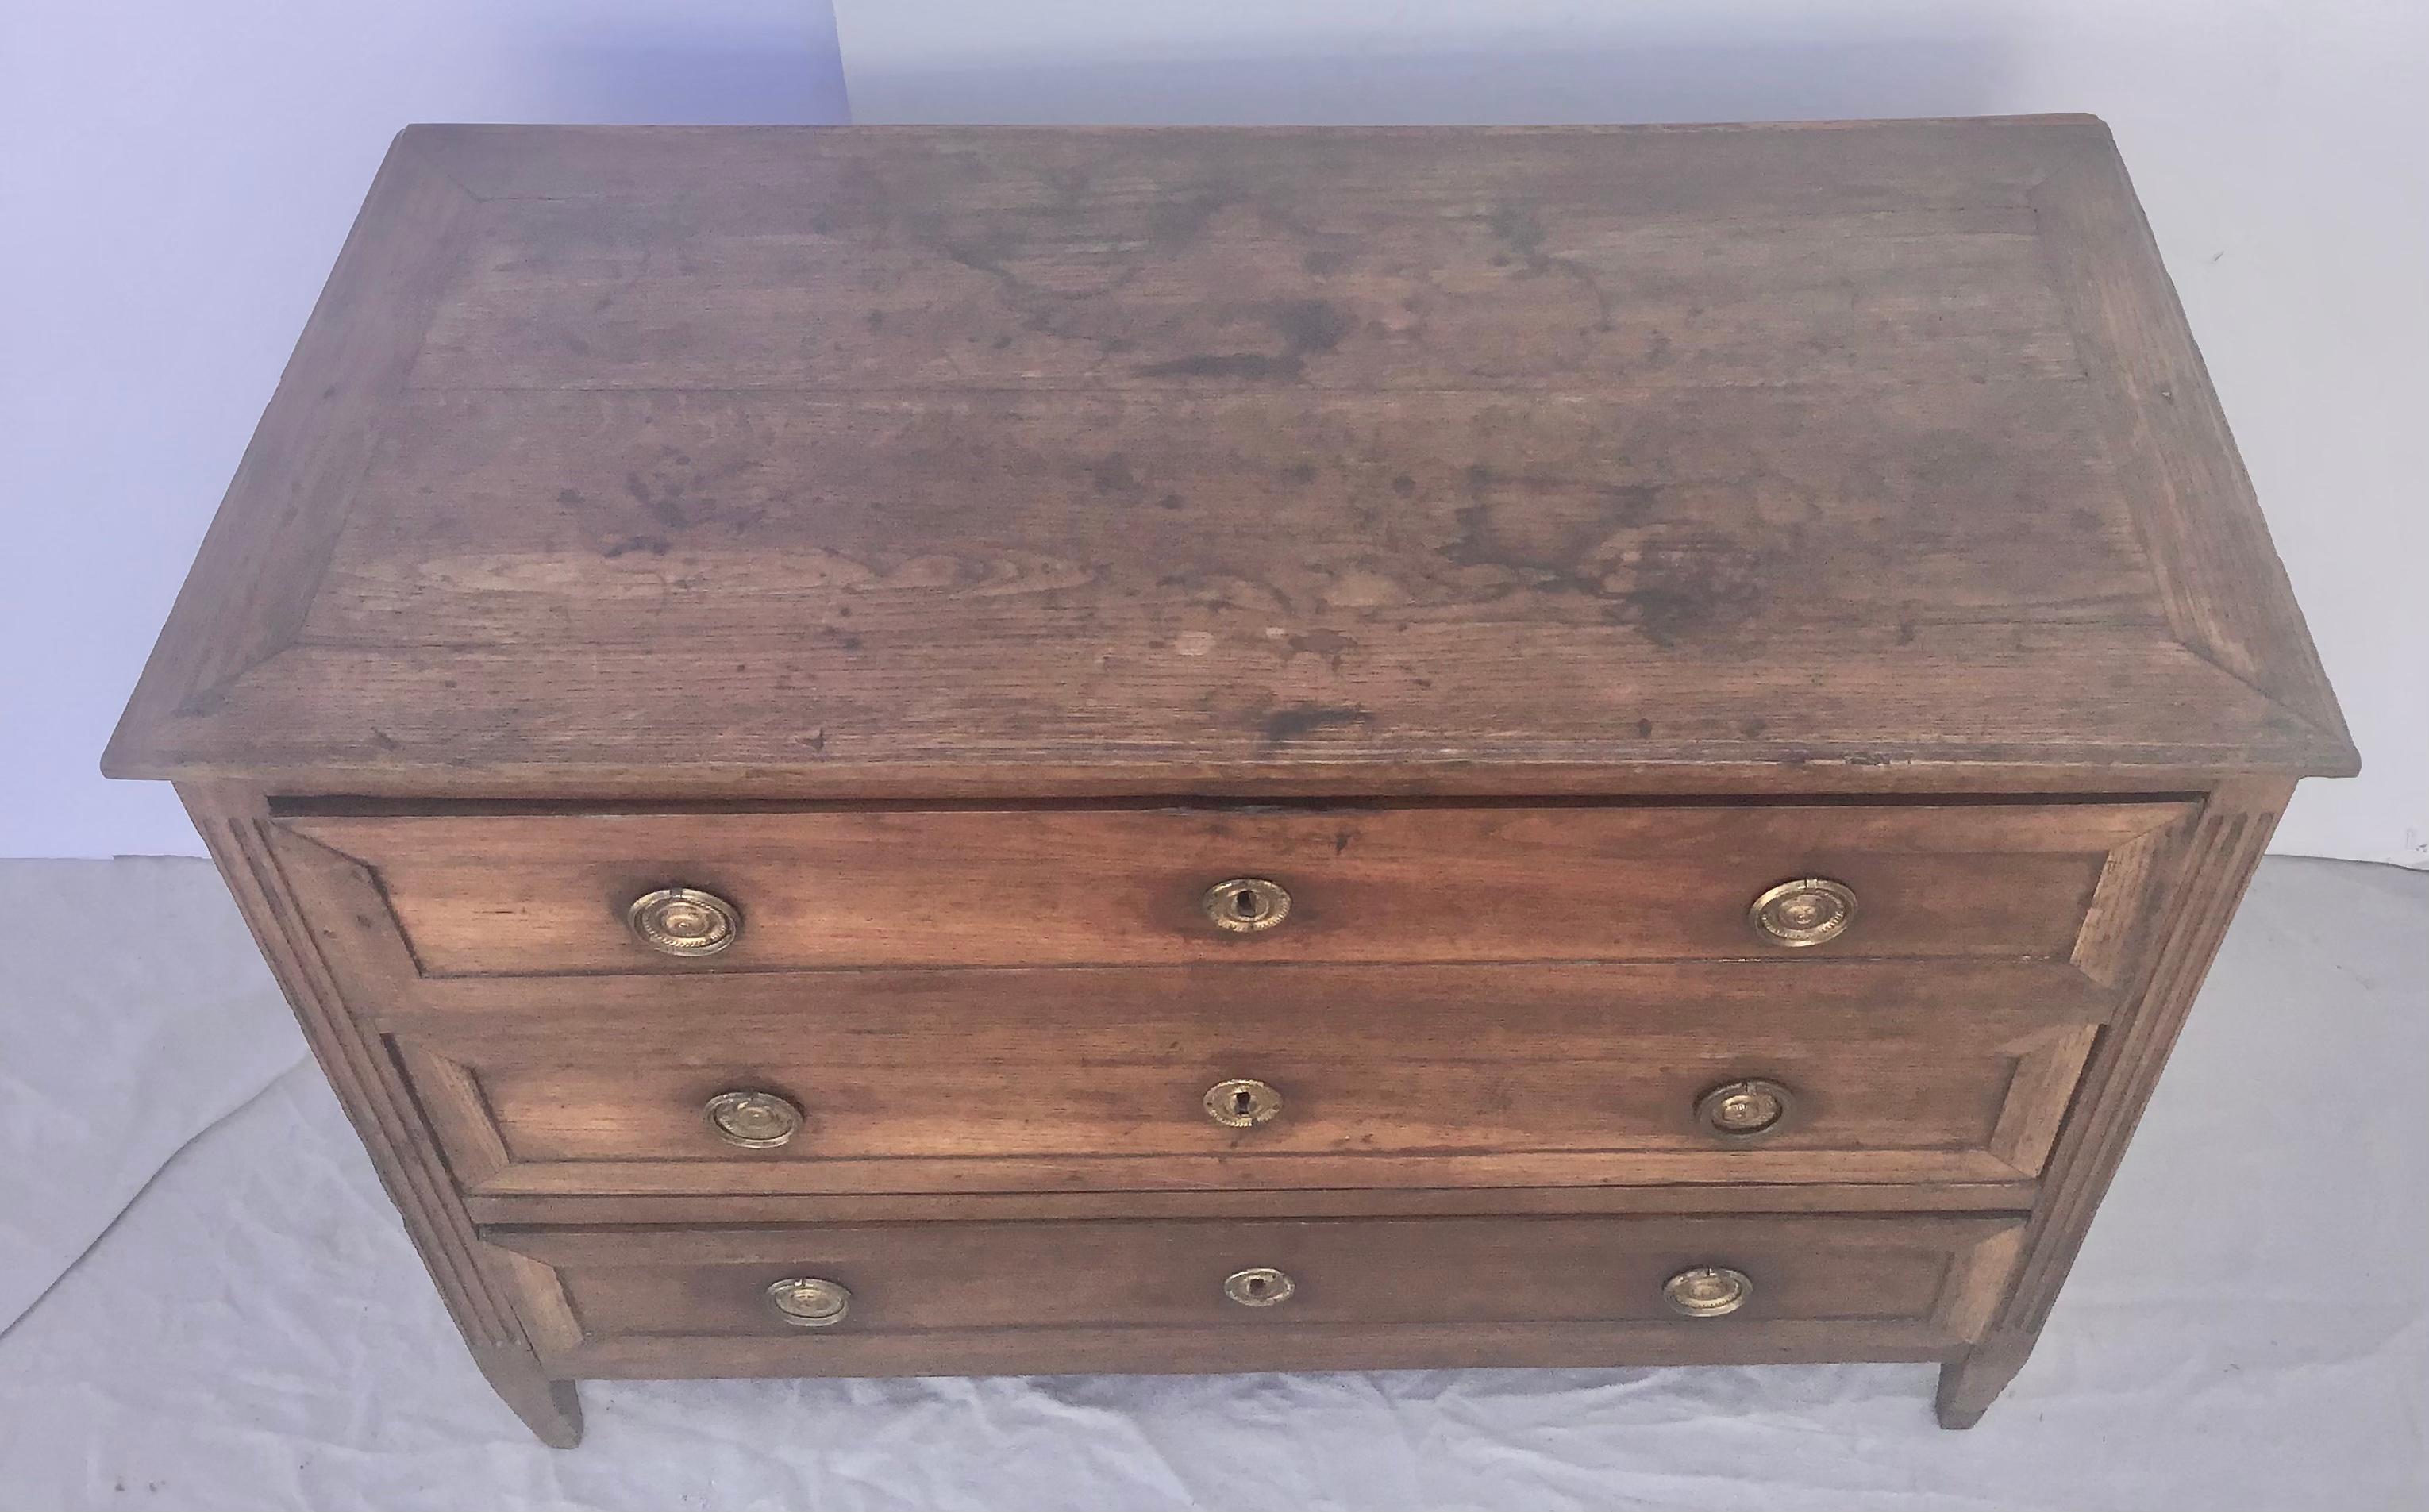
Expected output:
(984, 1298)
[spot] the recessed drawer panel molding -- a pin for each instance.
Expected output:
(536, 895)
(1226, 1295)
(1263, 1077)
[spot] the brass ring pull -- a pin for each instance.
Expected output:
(810, 1301)
(1748, 1110)
(1246, 905)
(1260, 1285)
(1243, 1104)
(1806, 911)
(1707, 1291)
(684, 921)
(754, 1120)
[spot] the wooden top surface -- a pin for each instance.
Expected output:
(948, 461)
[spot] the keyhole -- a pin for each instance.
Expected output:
(1243, 1103)
(1256, 1286)
(1244, 905)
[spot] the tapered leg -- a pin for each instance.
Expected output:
(1969, 1385)
(549, 1408)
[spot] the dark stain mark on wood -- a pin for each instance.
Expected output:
(1520, 229)
(1111, 473)
(1307, 327)
(1545, 523)
(1312, 326)
(1176, 223)
(1695, 584)
(1299, 720)
(664, 505)
(1330, 644)
(1631, 503)
(654, 545)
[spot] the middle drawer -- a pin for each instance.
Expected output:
(1249, 1076)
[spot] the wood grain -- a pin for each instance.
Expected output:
(1913, 1276)
(1179, 260)
(1436, 1078)
(524, 1211)
(546, 894)
(887, 464)
(1138, 519)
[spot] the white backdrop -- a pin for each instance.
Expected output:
(188, 173)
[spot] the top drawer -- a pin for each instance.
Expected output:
(506, 894)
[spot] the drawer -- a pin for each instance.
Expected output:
(508, 893)
(1254, 1076)
(1257, 1293)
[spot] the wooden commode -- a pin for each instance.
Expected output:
(888, 751)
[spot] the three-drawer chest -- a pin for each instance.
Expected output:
(908, 751)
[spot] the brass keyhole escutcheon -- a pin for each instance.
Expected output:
(1748, 1110)
(1241, 1103)
(754, 1120)
(810, 1301)
(1806, 911)
(684, 921)
(1246, 905)
(1260, 1285)
(1707, 1291)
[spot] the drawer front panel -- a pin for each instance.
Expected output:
(1464, 1076)
(540, 895)
(1917, 1281)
